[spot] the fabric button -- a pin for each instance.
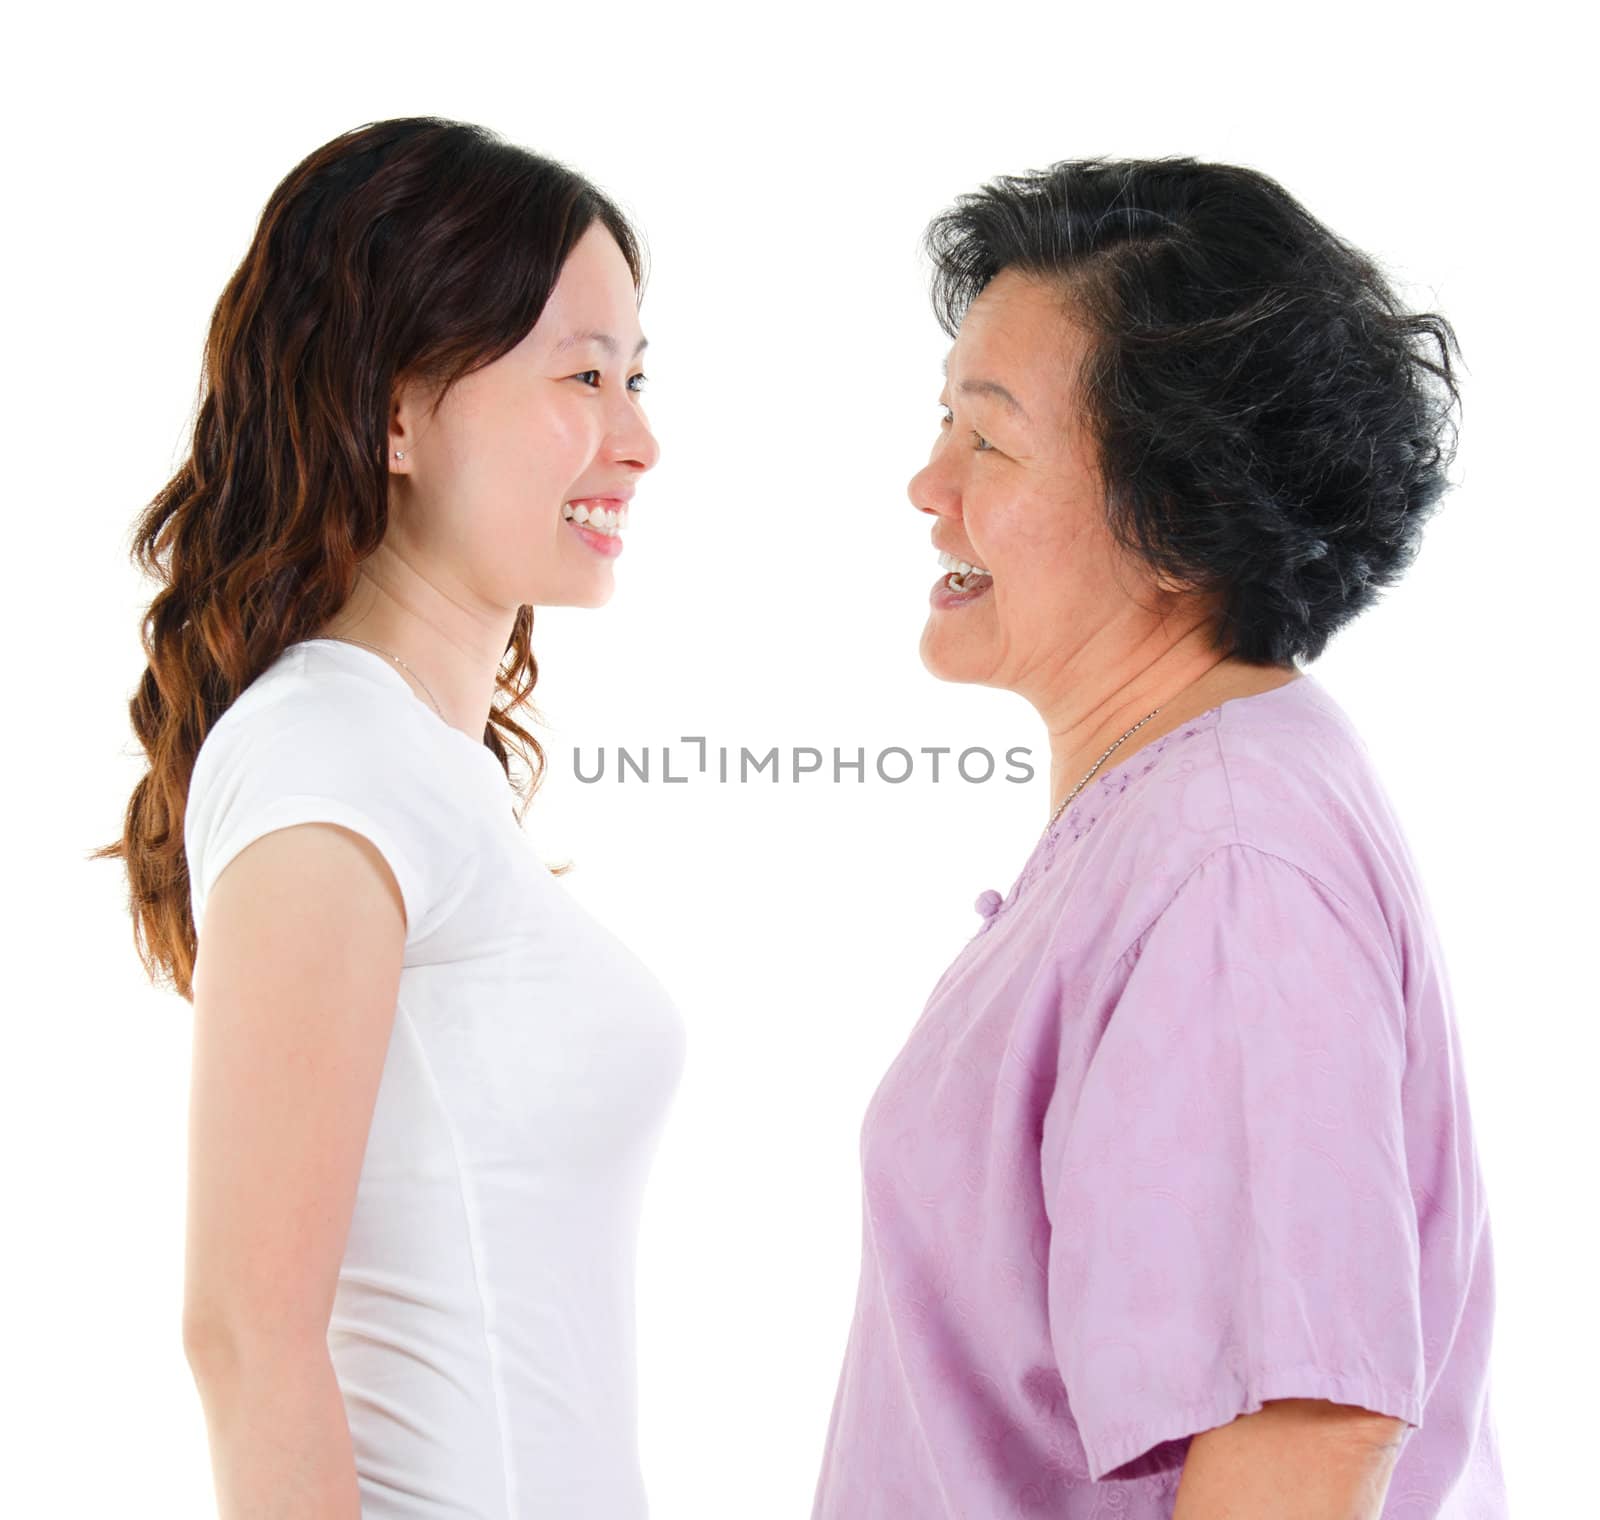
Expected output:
(988, 902)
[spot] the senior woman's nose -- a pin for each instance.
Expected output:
(928, 496)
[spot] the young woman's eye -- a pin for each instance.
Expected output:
(584, 376)
(988, 448)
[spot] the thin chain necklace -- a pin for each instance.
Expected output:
(1092, 769)
(396, 658)
(1055, 815)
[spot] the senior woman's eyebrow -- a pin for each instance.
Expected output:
(988, 388)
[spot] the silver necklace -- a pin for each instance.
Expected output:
(1093, 768)
(1055, 815)
(396, 658)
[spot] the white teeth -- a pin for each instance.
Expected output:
(960, 566)
(607, 520)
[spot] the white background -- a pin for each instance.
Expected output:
(772, 592)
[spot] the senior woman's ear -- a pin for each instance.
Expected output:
(1177, 586)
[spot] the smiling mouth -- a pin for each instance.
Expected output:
(963, 576)
(598, 519)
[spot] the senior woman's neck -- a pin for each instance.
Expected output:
(1089, 719)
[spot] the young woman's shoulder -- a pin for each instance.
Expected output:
(324, 746)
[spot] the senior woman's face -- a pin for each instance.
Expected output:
(1012, 482)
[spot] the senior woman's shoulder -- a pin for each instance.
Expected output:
(1302, 784)
(1283, 773)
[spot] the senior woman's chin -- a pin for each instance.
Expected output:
(958, 639)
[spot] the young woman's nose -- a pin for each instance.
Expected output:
(635, 443)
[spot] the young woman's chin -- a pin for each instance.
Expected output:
(596, 591)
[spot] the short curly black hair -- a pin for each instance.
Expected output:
(1271, 426)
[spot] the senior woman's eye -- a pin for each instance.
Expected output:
(988, 448)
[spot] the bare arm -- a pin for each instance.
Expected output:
(294, 994)
(280, 1443)
(1293, 1459)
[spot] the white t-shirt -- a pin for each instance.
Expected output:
(483, 1328)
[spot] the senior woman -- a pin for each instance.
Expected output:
(1171, 1200)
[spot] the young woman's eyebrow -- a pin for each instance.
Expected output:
(605, 340)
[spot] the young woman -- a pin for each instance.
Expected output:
(427, 1085)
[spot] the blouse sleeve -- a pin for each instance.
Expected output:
(333, 756)
(1231, 1218)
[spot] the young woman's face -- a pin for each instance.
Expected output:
(490, 482)
(1015, 490)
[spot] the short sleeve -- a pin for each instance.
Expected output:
(328, 754)
(1231, 1216)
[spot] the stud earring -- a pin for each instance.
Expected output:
(398, 454)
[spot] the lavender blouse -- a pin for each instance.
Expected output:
(1183, 1128)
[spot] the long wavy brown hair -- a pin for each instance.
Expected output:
(412, 249)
